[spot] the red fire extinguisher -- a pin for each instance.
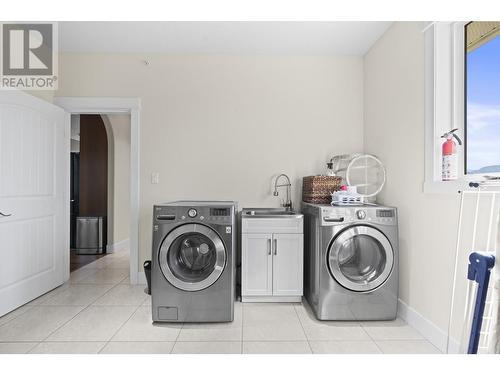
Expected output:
(450, 156)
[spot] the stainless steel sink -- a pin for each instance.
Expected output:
(269, 212)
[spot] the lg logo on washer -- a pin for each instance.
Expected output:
(29, 58)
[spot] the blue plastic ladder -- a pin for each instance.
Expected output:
(480, 265)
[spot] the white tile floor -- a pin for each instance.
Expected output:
(98, 311)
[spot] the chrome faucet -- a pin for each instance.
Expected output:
(288, 203)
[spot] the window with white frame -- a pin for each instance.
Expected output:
(462, 80)
(482, 107)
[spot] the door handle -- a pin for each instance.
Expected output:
(4, 215)
(268, 246)
(165, 217)
(334, 219)
(275, 246)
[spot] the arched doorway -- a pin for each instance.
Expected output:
(89, 188)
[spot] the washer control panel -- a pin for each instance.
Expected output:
(212, 214)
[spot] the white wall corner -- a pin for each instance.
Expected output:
(123, 245)
(426, 328)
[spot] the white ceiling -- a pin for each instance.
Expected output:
(302, 38)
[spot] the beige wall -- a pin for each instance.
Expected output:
(394, 130)
(219, 127)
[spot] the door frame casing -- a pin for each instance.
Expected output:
(117, 105)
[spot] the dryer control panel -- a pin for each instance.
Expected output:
(331, 216)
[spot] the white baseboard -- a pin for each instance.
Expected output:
(118, 246)
(141, 278)
(426, 328)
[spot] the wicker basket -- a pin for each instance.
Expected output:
(318, 189)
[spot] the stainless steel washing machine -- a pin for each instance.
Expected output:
(351, 261)
(193, 262)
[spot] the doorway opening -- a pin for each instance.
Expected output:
(100, 188)
(119, 106)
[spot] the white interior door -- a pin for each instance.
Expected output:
(34, 198)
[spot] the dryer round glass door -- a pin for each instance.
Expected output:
(192, 257)
(361, 258)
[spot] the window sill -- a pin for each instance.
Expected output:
(445, 187)
(454, 187)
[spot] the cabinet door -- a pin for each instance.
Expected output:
(288, 264)
(257, 265)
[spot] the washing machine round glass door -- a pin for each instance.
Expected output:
(192, 257)
(361, 258)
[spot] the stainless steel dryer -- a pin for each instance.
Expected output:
(193, 262)
(351, 261)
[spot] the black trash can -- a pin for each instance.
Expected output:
(147, 272)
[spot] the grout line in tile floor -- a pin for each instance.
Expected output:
(399, 339)
(85, 307)
(20, 314)
(176, 337)
(57, 329)
(80, 305)
(121, 326)
(376, 345)
(406, 340)
(282, 340)
(62, 325)
(421, 338)
(30, 305)
(65, 342)
(440, 351)
(303, 329)
(368, 334)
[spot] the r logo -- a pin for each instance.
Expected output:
(27, 49)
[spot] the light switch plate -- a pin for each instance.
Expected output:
(155, 178)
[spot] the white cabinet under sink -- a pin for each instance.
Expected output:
(272, 259)
(257, 264)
